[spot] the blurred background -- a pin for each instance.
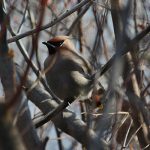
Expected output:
(99, 29)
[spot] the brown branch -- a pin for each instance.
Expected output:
(76, 21)
(10, 138)
(66, 121)
(124, 50)
(57, 20)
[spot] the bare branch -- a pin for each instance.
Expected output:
(61, 17)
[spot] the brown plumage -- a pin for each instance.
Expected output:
(68, 74)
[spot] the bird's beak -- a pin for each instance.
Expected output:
(44, 43)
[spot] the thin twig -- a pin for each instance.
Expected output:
(133, 135)
(52, 23)
(80, 15)
(126, 136)
(124, 50)
(24, 16)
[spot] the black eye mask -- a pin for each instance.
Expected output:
(52, 46)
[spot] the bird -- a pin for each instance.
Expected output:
(67, 73)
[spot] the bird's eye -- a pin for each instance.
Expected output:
(53, 45)
(56, 44)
